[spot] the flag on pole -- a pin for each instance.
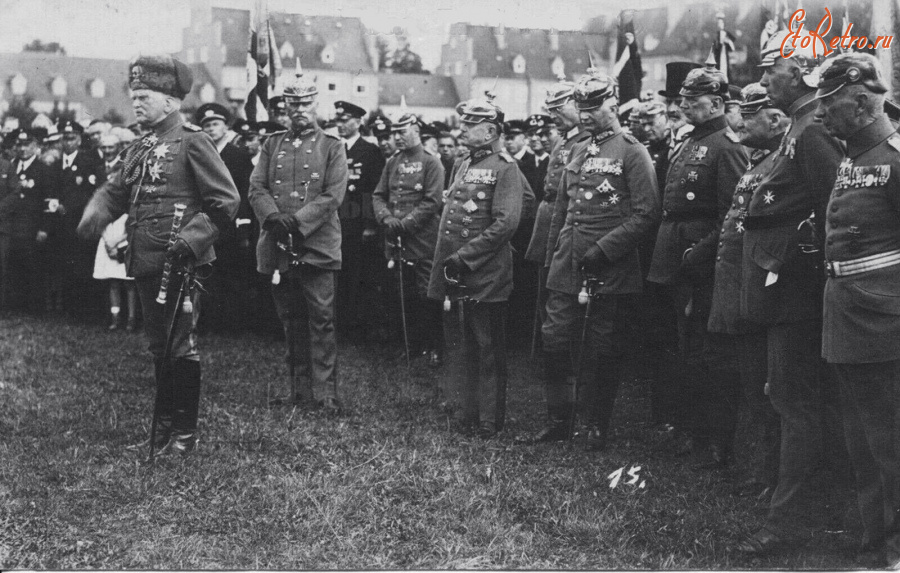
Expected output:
(769, 23)
(723, 45)
(627, 69)
(263, 64)
(845, 23)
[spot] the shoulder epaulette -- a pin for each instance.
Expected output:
(506, 157)
(630, 138)
(732, 136)
(331, 135)
(894, 141)
(191, 127)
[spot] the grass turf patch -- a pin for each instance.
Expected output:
(390, 484)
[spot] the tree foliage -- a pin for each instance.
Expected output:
(48, 48)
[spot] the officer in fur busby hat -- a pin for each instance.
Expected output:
(174, 186)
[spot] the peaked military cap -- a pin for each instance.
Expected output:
(849, 69)
(65, 126)
(515, 127)
(343, 108)
(650, 109)
(160, 73)
(478, 110)
(404, 121)
(704, 81)
(539, 122)
(440, 127)
(559, 93)
(210, 112)
(242, 127)
(276, 104)
(25, 135)
(676, 72)
(755, 97)
(380, 126)
(734, 94)
(594, 88)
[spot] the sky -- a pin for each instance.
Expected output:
(121, 29)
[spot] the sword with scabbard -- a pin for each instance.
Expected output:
(293, 256)
(589, 288)
(398, 262)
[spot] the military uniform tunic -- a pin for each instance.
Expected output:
(410, 190)
(482, 212)
(861, 321)
(304, 174)
(797, 186)
(175, 163)
(725, 312)
(699, 187)
(559, 158)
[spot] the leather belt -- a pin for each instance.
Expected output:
(759, 222)
(861, 265)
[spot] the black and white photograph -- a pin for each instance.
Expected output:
(474, 285)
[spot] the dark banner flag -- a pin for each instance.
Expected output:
(628, 68)
(263, 64)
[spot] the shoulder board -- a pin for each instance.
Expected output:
(629, 138)
(331, 135)
(732, 136)
(894, 141)
(506, 157)
(191, 127)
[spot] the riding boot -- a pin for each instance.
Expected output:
(558, 389)
(186, 375)
(164, 393)
(606, 387)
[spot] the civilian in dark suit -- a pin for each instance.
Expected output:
(22, 204)
(227, 307)
(358, 303)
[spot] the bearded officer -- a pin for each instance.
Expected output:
(407, 203)
(761, 129)
(295, 190)
(782, 280)
(482, 212)
(561, 107)
(699, 187)
(607, 203)
(173, 163)
(356, 294)
(861, 333)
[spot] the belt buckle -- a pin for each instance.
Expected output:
(830, 269)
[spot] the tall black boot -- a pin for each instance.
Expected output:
(606, 389)
(164, 394)
(186, 375)
(558, 387)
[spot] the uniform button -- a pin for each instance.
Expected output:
(575, 223)
(718, 258)
(278, 167)
(578, 200)
(309, 150)
(721, 243)
(583, 178)
(578, 212)
(451, 210)
(682, 181)
(306, 167)
(447, 232)
(277, 181)
(727, 217)
(275, 196)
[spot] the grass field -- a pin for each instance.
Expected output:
(387, 485)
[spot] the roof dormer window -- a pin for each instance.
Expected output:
(18, 84)
(558, 67)
(286, 51)
(518, 64)
(97, 88)
(59, 87)
(500, 36)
